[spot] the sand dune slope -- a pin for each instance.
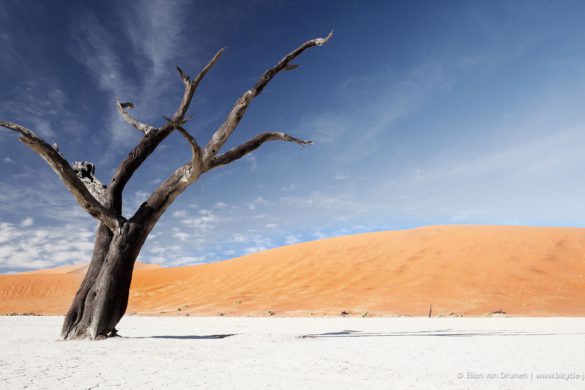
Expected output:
(45, 291)
(461, 270)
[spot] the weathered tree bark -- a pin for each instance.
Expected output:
(102, 298)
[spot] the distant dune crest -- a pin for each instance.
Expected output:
(82, 268)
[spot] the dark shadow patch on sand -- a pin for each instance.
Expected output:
(340, 333)
(189, 337)
(437, 333)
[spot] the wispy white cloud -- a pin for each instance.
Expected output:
(259, 201)
(180, 213)
(171, 254)
(341, 175)
(179, 234)
(33, 247)
(200, 224)
(39, 104)
(291, 239)
(28, 221)
(259, 243)
(320, 200)
(239, 237)
(390, 95)
(252, 160)
(44, 196)
(154, 30)
(135, 200)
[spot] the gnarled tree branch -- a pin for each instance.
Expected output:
(147, 145)
(68, 176)
(251, 145)
(86, 173)
(224, 131)
(151, 210)
(142, 127)
(132, 162)
(161, 198)
(191, 87)
(196, 159)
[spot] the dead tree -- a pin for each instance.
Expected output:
(102, 298)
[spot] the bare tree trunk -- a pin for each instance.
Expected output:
(102, 299)
(100, 250)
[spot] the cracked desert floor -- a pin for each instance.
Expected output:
(325, 353)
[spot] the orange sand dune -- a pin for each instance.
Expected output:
(460, 270)
(45, 291)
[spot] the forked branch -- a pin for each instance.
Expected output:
(251, 145)
(142, 127)
(191, 87)
(147, 145)
(234, 117)
(206, 159)
(196, 160)
(67, 175)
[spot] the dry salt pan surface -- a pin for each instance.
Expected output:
(223, 352)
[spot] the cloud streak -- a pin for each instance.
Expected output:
(31, 247)
(142, 75)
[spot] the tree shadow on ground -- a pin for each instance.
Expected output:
(437, 333)
(188, 337)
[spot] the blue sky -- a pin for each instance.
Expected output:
(422, 113)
